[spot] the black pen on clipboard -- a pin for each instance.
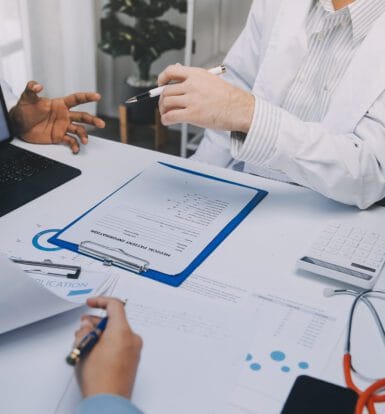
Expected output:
(48, 268)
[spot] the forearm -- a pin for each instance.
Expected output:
(344, 167)
(215, 145)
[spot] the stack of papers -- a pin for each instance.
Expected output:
(89, 284)
(26, 298)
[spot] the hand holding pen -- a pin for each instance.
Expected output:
(200, 98)
(109, 366)
(152, 93)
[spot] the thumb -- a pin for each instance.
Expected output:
(30, 92)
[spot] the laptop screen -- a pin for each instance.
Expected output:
(4, 130)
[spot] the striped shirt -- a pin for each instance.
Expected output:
(333, 37)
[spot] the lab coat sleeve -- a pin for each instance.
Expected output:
(242, 64)
(349, 168)
(105, 403)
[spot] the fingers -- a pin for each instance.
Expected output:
(175, 116)
(81, 98)
(86, 118)
(30, 92)
(173, 73)
(172, 102)
(94, 320)
(72, 142)
(114, 307)
(59, 130)
(172, 98)
(80, 131)
(174, 90)
(86, 326)
(34, 87)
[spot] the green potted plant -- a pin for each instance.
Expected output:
(134, 27)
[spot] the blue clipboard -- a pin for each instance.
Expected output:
(172, 280)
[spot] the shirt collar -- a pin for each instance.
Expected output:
(327, 5)
(330, 17)
(360, 15)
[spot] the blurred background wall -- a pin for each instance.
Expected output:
(217, 23)
(55, 42)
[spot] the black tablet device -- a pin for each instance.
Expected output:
(312, 395)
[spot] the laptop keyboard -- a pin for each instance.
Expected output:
(23, 165)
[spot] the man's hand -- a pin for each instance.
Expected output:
(203, 99)
(110, 367)
(51, 121)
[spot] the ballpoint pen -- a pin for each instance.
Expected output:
(88, 341)
(152, 93)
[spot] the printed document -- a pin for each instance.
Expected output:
(164, 215)
(293, 336)
(26, 299)
(191, 353)
(89, 284)
(23, 300)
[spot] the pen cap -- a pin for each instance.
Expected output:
(218, 70)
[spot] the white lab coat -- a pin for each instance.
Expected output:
(343, 157)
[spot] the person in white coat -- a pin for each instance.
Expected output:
(304, 95)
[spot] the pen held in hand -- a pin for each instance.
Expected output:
(88, 341)
(152, 93)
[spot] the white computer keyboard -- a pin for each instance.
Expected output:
(348, 254)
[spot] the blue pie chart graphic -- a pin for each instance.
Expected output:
(40, 241)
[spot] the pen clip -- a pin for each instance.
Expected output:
(48, 264)
(114, 256)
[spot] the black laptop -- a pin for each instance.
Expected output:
(25, 175)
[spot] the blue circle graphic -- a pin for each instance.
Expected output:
(36, 241)
(255, 367)
(285, 369)
(277, 356)
(303, 365)
(249, 357)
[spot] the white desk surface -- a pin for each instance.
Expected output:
(261, 252)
